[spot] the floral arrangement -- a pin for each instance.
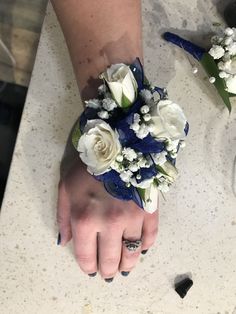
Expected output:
(219, 62)
(130, 135)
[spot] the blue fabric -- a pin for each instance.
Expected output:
(162, 92)
(186, 129)
(147, 173)
(196, 51)
(137, 69)
(148, 145)
(88, 114)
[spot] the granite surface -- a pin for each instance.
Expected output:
(197, 221)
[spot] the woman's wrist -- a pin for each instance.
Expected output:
(87, 70)
(98, 34)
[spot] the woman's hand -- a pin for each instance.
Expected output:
(98, 222)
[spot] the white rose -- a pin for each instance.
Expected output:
(122, 84)
(169, 121)
(231, 84)
(98, 146)
(217, 52)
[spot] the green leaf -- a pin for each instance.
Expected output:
(125, 102)
(146, 81)
(141, 193)
(161, 170)
(76, 135)
(156, 182)
(212, 70)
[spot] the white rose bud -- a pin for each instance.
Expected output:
(122, 84)
(98, 146)
(169, 121)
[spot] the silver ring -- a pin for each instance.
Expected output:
(132, 245)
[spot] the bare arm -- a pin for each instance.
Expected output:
(99, 33)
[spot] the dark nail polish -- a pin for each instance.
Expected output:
(144, 252)
(125, 273)
(93, 274)
(59, 239)
(183, 286)
(109, 279)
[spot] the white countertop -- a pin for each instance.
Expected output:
(197, 233)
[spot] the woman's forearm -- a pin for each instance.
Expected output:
(99, 33)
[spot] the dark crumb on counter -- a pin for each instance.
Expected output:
(183, 286)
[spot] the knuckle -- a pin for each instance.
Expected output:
(84, 260)
(114, 220)
(109, 262)
(132, 255)
(152, 233)
(149, 242)
(83, 217)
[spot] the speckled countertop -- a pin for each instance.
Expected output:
(197, 221)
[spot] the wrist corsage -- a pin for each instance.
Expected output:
(130, 135)
(219, 61)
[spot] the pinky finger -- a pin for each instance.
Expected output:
(150, 229)
(63, 215)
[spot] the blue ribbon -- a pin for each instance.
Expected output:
(196, 51)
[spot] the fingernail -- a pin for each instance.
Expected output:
(59, 239)
(93, 274)
(125, 273)
(144, 252)
(109, 279)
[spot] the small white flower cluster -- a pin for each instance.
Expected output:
(142, 124)
(224, 51)
(128, 164)
(106, 105)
